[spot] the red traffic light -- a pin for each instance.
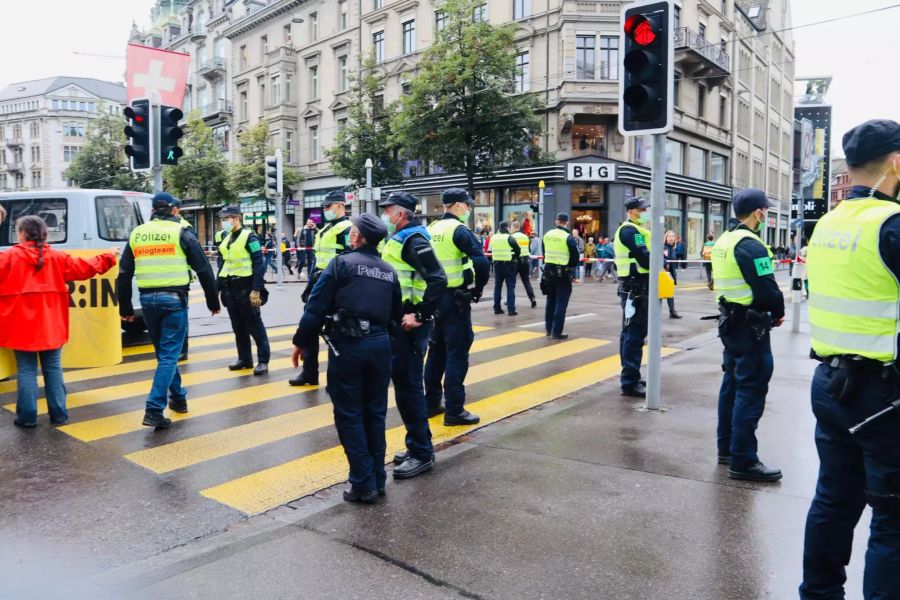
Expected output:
(640, 29)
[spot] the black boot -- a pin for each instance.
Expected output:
(156, 420)
(240, 366)
(303, 379)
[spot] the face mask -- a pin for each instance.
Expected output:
(390, 226)
(227, 226)
(465, 216)
(329, 215)
(644, 218)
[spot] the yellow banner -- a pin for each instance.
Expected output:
(7, 363)
(95, 330)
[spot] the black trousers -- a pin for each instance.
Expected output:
(246, 322)
(523, 266)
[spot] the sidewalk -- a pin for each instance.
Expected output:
(584, 498)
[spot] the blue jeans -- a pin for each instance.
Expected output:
(631, 342)
(853, 467)
(448, 355)
(559, 290)
(54, 387)
(407, 372)
(505, 273)
(166, 315)
(742, 399)
(270, 258)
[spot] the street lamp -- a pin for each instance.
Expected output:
(370, 201)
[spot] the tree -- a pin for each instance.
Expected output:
(462, 111)
(202, 173)
(367, 134)
(249, 175)
(101, 162)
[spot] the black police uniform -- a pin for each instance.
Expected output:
(634, 330)
(364, 291)
(505, 273)
(246, 321)
(557, 284)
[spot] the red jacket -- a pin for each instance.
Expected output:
(34, 305)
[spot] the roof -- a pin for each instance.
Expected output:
(39, 87)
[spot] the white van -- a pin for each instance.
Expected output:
(80, 220)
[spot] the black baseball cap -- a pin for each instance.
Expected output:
(231, 211)
(750, 199)
(562, 217)
(332, 197)
(165, 200)
(370, 227)
(401, 198)
(638, 202)
(871, 140)
(454, 195)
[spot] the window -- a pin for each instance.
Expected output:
(262, 94)
(676, 88)
(744, 119)
(725, 7)
(56, 105)
(523, 72)
(701, 100)
(243, 107)
(719, 168)
(674, 157)
(342, 73)
(36, 179)
(609, 57)
(314, 143)
(289, 146)
(219, 48)
(702, 30)
(677, 20)
(69, 130)
(286, 35)
(313, 82)
(243, 56)
(314, 26)
(759, 129)
(341, 123)
(409, 37)
(758, 174)
(589, 134)
(116, 217)
(440, 20)
(263, 46)
(405, 88)
(376, 4)
(378, 45)
(35, 154)
(288, 87)
(584, 56)
(480, 13)
(53, 211)
(34, 130)
(697, 159)
(275, 89)
(521, 9)
(343, 14)
(723, 111)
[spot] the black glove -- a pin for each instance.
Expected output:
(476, 296)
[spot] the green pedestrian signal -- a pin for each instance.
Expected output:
(169, 135)
(171, 155)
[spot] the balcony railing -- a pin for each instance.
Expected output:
(214, 109)
(688, 39)
(14, 140)
(214, 66)
(15, 166)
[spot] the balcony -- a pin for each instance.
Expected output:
(212, 68)
(14, 140)
(198, 34)
(280, 54)
(216, 112)
(14, 166)
(696, 57)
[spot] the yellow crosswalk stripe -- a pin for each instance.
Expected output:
(206, 340)
(277, 485)
(119, 424)
(184, 453)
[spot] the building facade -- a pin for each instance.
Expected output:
(840, 182)
(43, 124)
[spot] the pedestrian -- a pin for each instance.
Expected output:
(854, 266)
(706, 257)
(306, 240)
(160, 254)
(523, 263)
(505, 252)
(750, 304)
(34, 310)
(270, 252)
(356, 299)
(467, 273)
(332, 240)
(801, 271)
(608, 266)
(422, 285)
(669, 250)
(579, 242)
(286, 246)
(632, 248)
(242, 288)
(560, 263)
(485, 246)
(534, 249)
(680, 252)
(590, 255)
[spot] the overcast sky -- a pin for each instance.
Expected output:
(862, 54)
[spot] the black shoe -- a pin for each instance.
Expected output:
(352, 495)
(438, 410)
(59, 423)
(412, 467)
(512, 313)
(758, 472)
(533, 303)
(302, 379)
(638, 391)
(24, 425)
(156, 420)
(498, 311)
(381, 491)
(674, 315)
(561, 336)
(261, 369)
(724, 459)
(463, 418)
(240, 366)
(182, 357)
(548, 334)
(179, 406)
(400, 457)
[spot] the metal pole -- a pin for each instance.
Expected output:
(279, 224)
(657, 224)
(540, 215)
(798, 236)
(155, 166)
(370, 201)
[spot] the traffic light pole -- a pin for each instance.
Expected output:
(155, 164)
(657, 225)
(279, 223)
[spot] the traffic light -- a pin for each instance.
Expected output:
(274, 176)
(169, 135)
(138, 130)
(646, 96)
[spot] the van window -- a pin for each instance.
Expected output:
(116, 217)
(54, 211)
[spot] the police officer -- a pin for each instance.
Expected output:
(241, 273)
(465, 265)
(184, 348)
(422, 285)
(331, 240)
(523, 264)
(560, 262)
(505, 254)
(160, 255)
(750, 304)
(853, 269)
(632, 248)
(358, 295)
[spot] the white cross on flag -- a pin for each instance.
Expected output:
(151, 70)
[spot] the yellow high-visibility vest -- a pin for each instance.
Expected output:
(159, 259)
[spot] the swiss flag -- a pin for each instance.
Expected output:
(151, 70)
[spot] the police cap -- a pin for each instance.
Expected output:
(332, 197)
(638, 202)
(231, 211)
(454, 195)
(562, 217)
(871, 140)
(748, 200)
(402, 199)
(370, 227)
(165, 200)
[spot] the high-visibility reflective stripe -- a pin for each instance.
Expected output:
(158, 277)
(147, 263)
(883, 344)
(854, 308)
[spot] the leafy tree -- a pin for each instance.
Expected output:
(249, 175)
(203, 172)
(462, 112)
(101, 162)
(367, 134)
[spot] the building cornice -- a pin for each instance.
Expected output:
(251, 22)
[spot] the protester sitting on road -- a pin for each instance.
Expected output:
(34, 310)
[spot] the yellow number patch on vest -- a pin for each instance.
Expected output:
(254, 247)
(639, 239)
(764, 266)
(158, 250)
